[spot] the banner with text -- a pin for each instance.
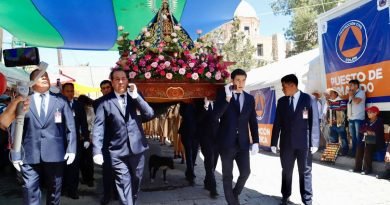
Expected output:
(265, 103)
(354, 48)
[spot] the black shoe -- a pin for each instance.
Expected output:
(355, 170)
(73, 195)
(104, 201)
(285, 201)
(214, 194)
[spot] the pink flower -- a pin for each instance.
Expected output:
(192, 56)
(132, 74)
(195, 76)
(160, 50)
(148, 68)
(134, 56)
(167, 63)
(162, 73)
(154, 64)
(135, 68)
(182, 71)
(186, 52)
(169, 76)
(148, 57)
(161, 57)
(191, 65)
(200, 70)
(218, 76)
(134, 49)
(180, 61)
(142, 63)
(204, 65)
(211, 69)
(148, 75)
(188, 75)
(132, 43)
(208, 75)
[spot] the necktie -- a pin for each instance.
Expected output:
(123, 103)
(238, 102)
(43, 108)
(291, 105)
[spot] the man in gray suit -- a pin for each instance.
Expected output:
(296, 124)
(49, 138)
(117, 115)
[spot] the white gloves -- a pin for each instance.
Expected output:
(86, 144)
(273, 149)
(206, 103)
(255, 149)
(132, 90)
(313, 149)
(98, 159)
(227, 90)
(69, 157)
(17, 164)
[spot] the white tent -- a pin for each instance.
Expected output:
(306, 66)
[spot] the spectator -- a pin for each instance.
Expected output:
(356, 105)
(371, 138)
(336, 119)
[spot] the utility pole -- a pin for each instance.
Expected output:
(59, 55)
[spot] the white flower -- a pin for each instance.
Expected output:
(173, 34)
(164, 17)
(218, 75)
(177, 28)
(182, 71)
(148, 75)
(167, 63)
(175, 40)
(154, 64)
(147, 34)
(144, 29)
(132, 74)
(120, 28)
(120, 38)
(192, 56)
(146, 44)
(191, 65)
(208, 75)
(169, 76)
(195, 76)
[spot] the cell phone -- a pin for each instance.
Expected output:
(21, 56)
(233, 87)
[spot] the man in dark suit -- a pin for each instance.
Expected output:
(108, 178)
(297, 125)
(189, 138)
(49, 138)
(71, 175)
(116, 119)
(206, 130)
(237, 114)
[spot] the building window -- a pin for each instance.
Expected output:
(246, 30)
(260, 50)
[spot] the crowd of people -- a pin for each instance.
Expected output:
(64, 136)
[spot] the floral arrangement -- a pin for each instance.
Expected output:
(170, 57)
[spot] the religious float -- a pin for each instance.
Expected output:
(167, 65)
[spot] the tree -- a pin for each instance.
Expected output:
(303, 28)
(237, 48)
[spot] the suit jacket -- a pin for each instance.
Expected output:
(80, 119)
(294, 131)
(188, 121)
(124, 133)
(232, 121)
(47, 141)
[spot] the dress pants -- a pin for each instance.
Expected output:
(86, 164)
(210, 154)
(71, 176)
(364, 157)
(108, 178)
(128, 172)
(191, 146)
(242, 160)
(304, 161)
(33, 174)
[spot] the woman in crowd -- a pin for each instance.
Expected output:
(371, 140)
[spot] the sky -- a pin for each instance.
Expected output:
(268, 23)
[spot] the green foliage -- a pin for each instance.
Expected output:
(303, 28)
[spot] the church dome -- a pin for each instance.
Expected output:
(244, 9)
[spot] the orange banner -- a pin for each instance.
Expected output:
(374, 79)
(265, 134)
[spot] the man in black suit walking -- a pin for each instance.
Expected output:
(71, 175)
(296, 124)
(235, 114)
